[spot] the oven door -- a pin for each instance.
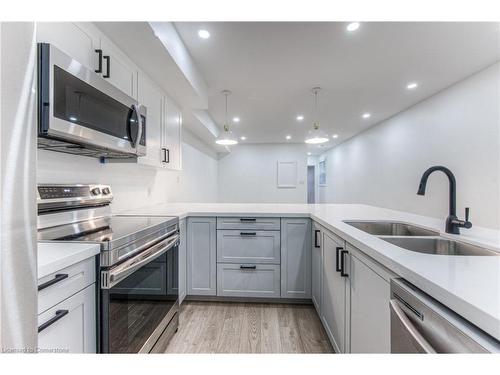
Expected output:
(139, 298)
(77, 105)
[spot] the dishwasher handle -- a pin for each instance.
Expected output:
(420, 343)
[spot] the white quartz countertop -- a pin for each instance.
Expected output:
(53, 257)
(469, 285)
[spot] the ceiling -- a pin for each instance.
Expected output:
(271, 67)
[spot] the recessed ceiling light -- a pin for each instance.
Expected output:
(309, 153)
(335, 136)
(412, 85)
(366, 115)
(236, 119)
(353, 26)
(300, 118)
(203, 34)
(288, 137)
(243, 138)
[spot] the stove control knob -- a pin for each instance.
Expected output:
(96, 191)
(106, 191)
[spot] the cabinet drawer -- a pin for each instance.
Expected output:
(247, 246)
(64, 283)
(248, 280)
(70, 325)
(247, 222)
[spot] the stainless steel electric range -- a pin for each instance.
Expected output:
(138, 293)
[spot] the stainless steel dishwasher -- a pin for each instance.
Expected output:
(420, 324)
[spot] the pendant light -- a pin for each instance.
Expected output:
(316, 135)
(226, 138)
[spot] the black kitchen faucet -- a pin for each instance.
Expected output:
(453, 223)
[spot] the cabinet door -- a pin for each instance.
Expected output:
(122, 72)
(370, 316)
(75, 330)
(295, 258)
(317, 260)
(152, 97)
(333, 301)
(172, 127)
(201, 256)
(182, 260)
(72, 38)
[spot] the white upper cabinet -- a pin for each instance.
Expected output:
(118, 69)
(151, 96)
(73, 38)
(171, 139)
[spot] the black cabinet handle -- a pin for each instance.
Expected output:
(337, 264)
(316, 243)
(342, 263)
(248, 219)
(248, 267)
(166, 155)
(108, 67)
(99, 63)
(248, 233)
(56, 279)
(48, 323)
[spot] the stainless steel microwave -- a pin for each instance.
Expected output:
(79, 112)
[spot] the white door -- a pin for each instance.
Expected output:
(72, 38)
(70, 326)
(172, 128)
(333, 301)
(118, 70)
(370, 324)
(151, 96)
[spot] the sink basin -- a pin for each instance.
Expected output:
(439, 246)
(391, 228)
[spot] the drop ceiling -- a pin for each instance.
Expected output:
(271, 67)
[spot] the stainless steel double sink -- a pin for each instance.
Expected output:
(418, 239)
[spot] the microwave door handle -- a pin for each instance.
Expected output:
(421, 343)
(139, 131)
(135, 140)
(114, 276)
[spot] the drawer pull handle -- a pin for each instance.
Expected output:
(248, 267)
(55, 280)
(248, 219)
(248, 233)
(316, 242)
(48, 323)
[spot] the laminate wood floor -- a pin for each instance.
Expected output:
(229, 327)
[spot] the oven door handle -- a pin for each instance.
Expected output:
(114, 276)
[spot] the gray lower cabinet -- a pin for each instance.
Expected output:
(201, 256)
(182, 260)
(248, 280)
(248, 246)
(317, 261)
(295, 258)
(369, 288)
(334, 292)
(74, 324)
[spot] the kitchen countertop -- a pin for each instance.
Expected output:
(53, 257)
(466, 284)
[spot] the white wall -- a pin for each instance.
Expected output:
(457, 128)
(136, 185)
(249, 174)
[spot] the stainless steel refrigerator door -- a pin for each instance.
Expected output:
(18, 256)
